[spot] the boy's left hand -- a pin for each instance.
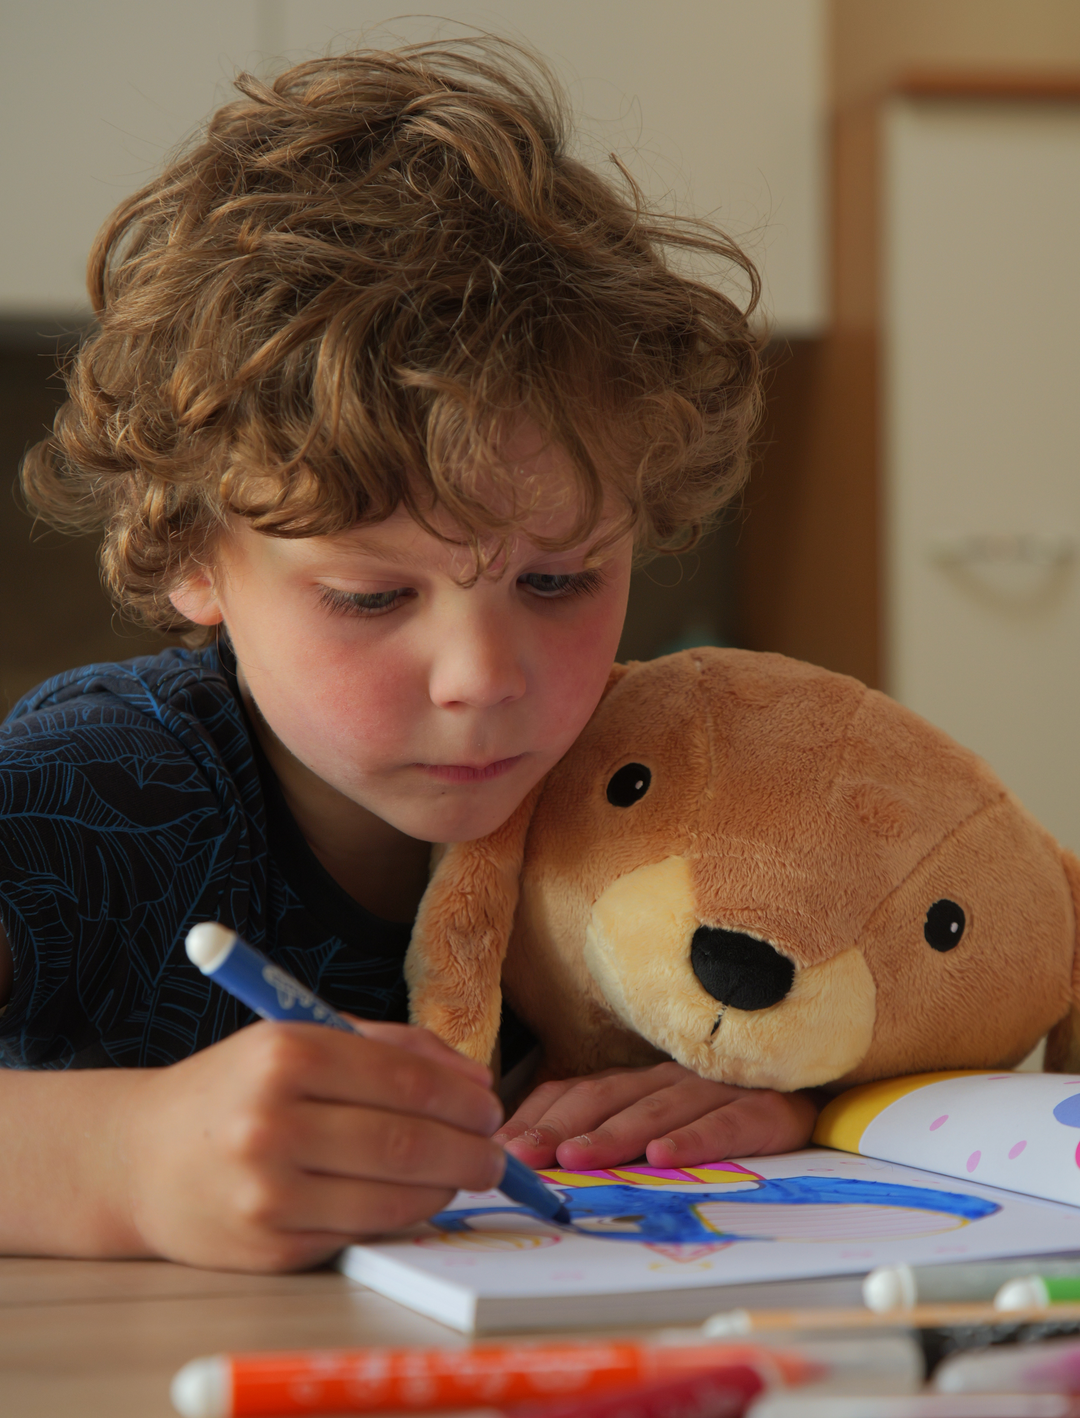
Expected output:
(666, 1112)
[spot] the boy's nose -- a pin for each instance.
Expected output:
(476, 664)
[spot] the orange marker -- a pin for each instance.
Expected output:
(381, 1380)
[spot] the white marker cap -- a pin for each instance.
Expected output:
(889, 1287)
(203, 1388)
(208, 944)
(1028, 1293)
(728, 1324)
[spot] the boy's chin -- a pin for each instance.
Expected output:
(458, 819)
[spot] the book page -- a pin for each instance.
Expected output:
(1020, 1131)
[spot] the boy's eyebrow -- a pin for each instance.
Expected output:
(351, 545)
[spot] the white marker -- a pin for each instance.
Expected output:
(901, 1287)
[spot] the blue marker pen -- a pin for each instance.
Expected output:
(272, 992)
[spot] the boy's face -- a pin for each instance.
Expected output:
(434, 706)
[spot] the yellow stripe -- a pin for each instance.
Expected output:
(712, 1175)
(844, 1120)
(573, 1179)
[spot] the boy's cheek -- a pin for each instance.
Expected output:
(333, 697)
(576, 674)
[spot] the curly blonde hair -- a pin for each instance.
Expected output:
(335, 302)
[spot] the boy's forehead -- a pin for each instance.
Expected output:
(401, 539)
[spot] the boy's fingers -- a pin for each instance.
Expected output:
(754, 1123)
(422, 1041)
(532, 1110)
(627, 1134)
(584, 1104)
(612, 1089)
(336, 1206)
(372, 1145)
(308, 1061)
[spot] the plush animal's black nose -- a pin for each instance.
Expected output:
(738, 969)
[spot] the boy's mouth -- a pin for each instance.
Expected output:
(471, 773)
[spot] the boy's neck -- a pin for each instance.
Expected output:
(380, 867)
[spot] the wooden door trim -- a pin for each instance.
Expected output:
(1025, 86)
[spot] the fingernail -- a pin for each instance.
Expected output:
(501, 1138)
(585, 1140)
(533, 1137)
(666, 1143)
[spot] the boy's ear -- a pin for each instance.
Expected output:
(454, 962)
(196, 599)
(1063, 1041)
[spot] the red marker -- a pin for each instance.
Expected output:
(492, 1376)
(717, 1393)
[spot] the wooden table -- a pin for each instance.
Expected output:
(102, 1339)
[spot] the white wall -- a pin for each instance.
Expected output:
(717, 102)
(93, 95)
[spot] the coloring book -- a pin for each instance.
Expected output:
(654, 1246)
(1015, 1130)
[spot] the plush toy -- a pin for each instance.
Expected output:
(767, 872)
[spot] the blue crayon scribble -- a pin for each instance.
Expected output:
(650, 1214)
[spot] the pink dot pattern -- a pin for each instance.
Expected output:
(973, 1161)
(938, 1121)
(1016, 1149)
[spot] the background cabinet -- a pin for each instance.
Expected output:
(981, 324)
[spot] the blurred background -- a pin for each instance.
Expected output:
(906, 173)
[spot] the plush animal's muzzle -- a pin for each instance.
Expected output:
(719, 1000)
(738, 969)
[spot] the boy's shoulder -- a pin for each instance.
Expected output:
(130, 804)
(146, 686)
(179, 699)
(152, 739)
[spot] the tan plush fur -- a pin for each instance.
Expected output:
(460, 936)
(792, 806)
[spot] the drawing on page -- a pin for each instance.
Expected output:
(684, 1215)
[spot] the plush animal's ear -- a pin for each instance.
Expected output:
(1063, 1041)
(615, 675)
(462, 929)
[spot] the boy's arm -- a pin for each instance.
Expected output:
(268, 1151)
(667, 1113)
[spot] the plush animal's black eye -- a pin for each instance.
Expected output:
(944, 925)
(628, 785)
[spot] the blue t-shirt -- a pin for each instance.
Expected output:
(134, 801)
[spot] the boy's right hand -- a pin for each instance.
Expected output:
(276, 1147)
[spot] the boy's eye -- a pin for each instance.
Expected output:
(364, 602)
(551, 586)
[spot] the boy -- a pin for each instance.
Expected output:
(385, 392)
